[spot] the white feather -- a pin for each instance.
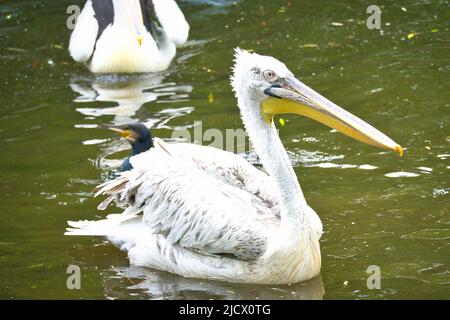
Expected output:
(117, 51)
(83, 37)
(172, 20)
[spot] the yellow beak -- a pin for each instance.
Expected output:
(134, 11)
(127, 134)
(140, 39)
(292, 96)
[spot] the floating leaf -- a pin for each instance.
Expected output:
(333, 44)
(16, 49)
(309, 45)
(210, 98)
(282, 121)
(411, 35)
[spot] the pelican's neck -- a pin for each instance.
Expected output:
(275, 160)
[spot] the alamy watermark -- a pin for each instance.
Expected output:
(73, 11)
(232, 140)
(74, 280)
(374, 280)
(374, 20)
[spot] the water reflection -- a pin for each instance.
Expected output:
(153, 284)
(129, 93)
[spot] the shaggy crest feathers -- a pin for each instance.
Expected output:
(240, 58)
(245, 61)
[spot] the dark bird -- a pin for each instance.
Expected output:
(139, 137)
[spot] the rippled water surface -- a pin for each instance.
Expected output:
(377, 208)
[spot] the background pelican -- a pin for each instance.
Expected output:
(126, 36)
(208, 213)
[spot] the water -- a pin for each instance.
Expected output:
(377, 208)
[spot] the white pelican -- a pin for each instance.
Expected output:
(208, 213)
(128, 36)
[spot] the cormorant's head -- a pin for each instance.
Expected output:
(137, 134)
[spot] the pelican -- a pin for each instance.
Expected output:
(208, 213)
(128, 36)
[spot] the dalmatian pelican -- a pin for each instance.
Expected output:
(201, 212)
(128, 36)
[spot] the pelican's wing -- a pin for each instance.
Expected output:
(95, 17)
(172, 20)
(229, 168)
(191, 208)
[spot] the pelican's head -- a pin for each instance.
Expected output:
(269, 82)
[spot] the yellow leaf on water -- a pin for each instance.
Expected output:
(309, 45)
(333, 44)
(282, 121)
(210, 98)
(411, 35)
(434, 30)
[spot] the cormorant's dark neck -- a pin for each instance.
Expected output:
(140, 147)
(126, 165)
(137, 148)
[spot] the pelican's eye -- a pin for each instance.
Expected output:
(270, 75)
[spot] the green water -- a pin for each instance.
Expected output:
(396, 79)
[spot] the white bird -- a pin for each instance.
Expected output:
(208, 213)
(128, 36)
